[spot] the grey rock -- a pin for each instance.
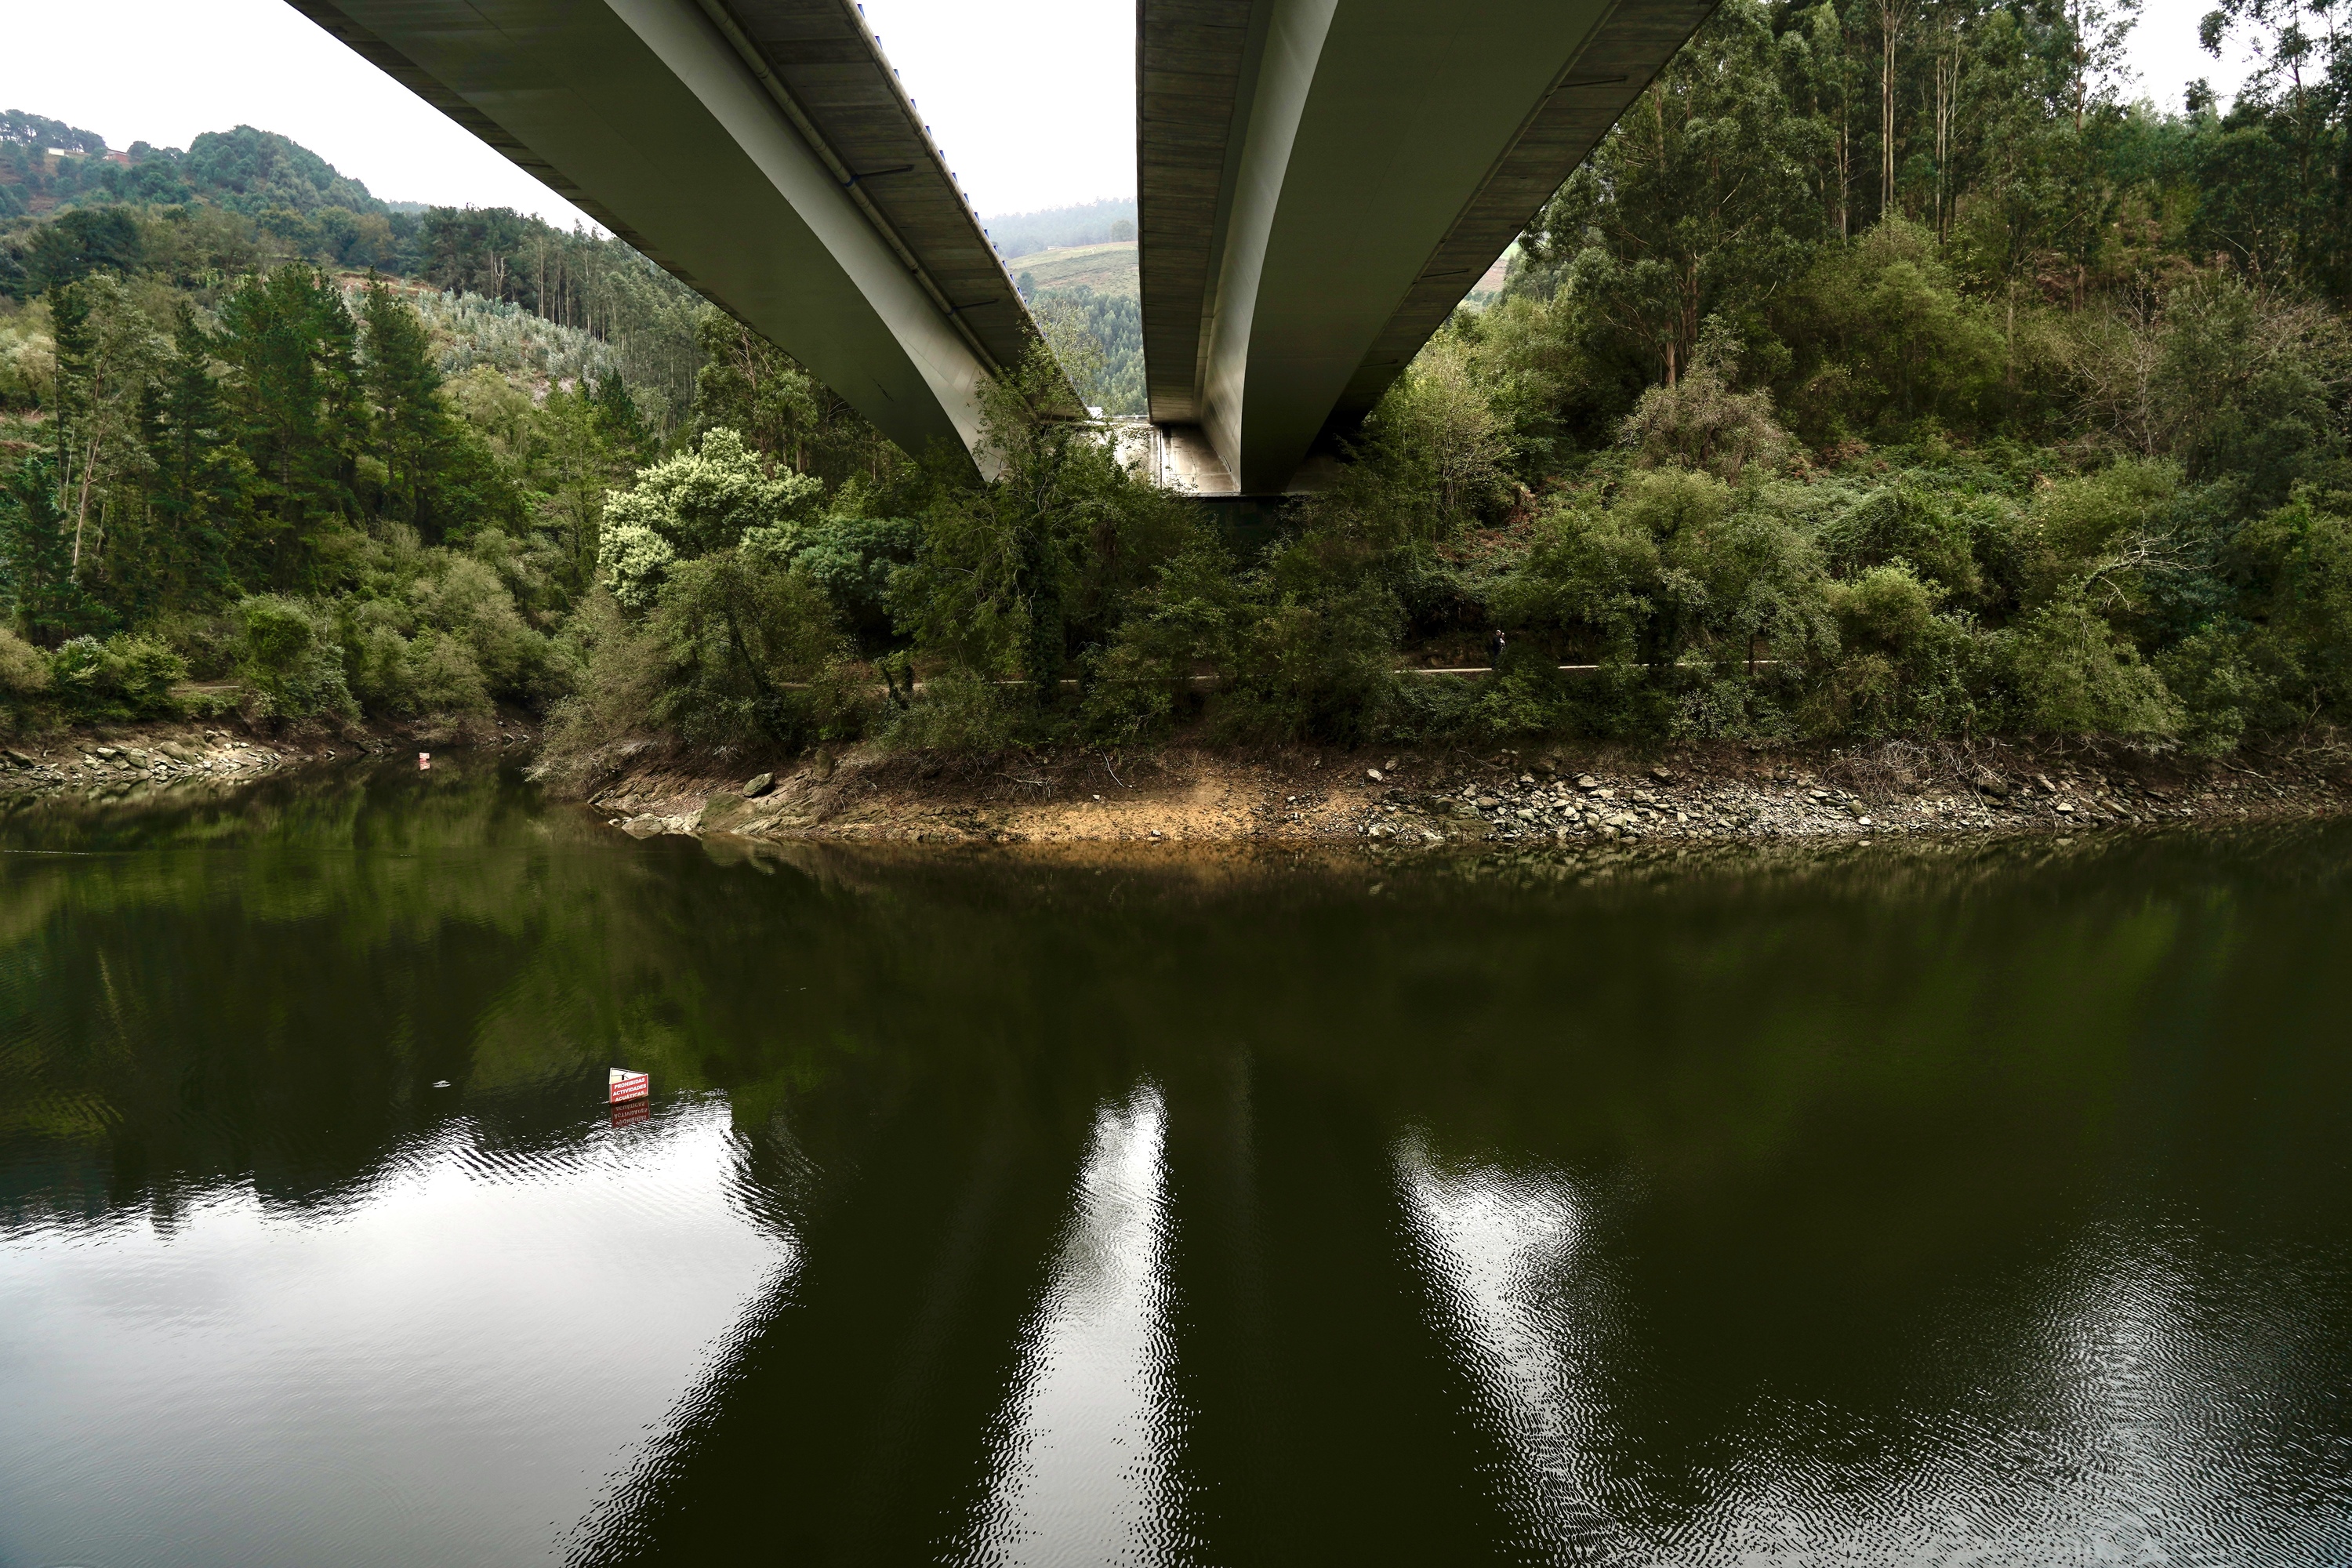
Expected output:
(758, 785)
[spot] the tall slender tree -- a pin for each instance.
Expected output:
(199, 480)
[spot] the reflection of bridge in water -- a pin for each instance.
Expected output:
(1144, 1214)
(1203, 1319)
(1319, 183)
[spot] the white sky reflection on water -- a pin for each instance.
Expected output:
(2099, 1441)
(1085, 1468)
(390, 1353)
(1503, 1248)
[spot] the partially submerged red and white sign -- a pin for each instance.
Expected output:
(627, 1085)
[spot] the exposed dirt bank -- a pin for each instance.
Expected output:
(1406, 799)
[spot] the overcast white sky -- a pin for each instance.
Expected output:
(1033, 100)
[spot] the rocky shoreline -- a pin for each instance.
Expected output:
(127, 762)
(1564, 796)
(1399, 801)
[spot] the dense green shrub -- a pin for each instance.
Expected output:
(288, 660)
(751, 654)
(125, 677)
(24, 671)
(2073, 675)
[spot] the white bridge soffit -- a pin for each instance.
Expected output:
(761, 151)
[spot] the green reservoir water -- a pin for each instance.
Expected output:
(1986, 1205)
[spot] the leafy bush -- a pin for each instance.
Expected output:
(2073, 676)
(753, 654)
(123, 677)
(852, 558)
(1902, 666)
(289, 661)
(1700, 422)
(23, 672)
(960, 715)
(615, 686)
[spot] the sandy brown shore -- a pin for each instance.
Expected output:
(1396, 799)
(1413, 800)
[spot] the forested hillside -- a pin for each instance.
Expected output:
(1059, 228)
(1883, 375)
(244, 199)
(1088, 300)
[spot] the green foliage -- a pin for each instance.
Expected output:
(748, 386)
(296, 401)
(1885, 340)
(1858, 385)
(1099, 338)
(36, 566)
(1695, 203)
(286, 660)
(2074, 676)
(1905, 667)
(124, 677)
(1701, 422)
(79, 243)
(614, 691)
(963, 715)
(1017, 577)
(713, 498)
(751, 651)
(24, 671)
(853, 558)
(414, 431)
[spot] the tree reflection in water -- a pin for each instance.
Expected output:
(1981, 1202)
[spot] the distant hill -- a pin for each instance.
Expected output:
(46, 165)
(1055, 228)
(40, 132)
(250, 170)
(1105, 268)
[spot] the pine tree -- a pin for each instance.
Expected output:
(300, 413)
(77, 352)
(414, 431)
(200, 483)
(37, 559)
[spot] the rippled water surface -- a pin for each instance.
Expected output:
(1983, 1206)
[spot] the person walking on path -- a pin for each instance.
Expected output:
(1496, 647)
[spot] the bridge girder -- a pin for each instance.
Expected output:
(761, 151)
(1321, 182)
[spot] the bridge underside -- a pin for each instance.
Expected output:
(1321, 182)
(762, 151)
